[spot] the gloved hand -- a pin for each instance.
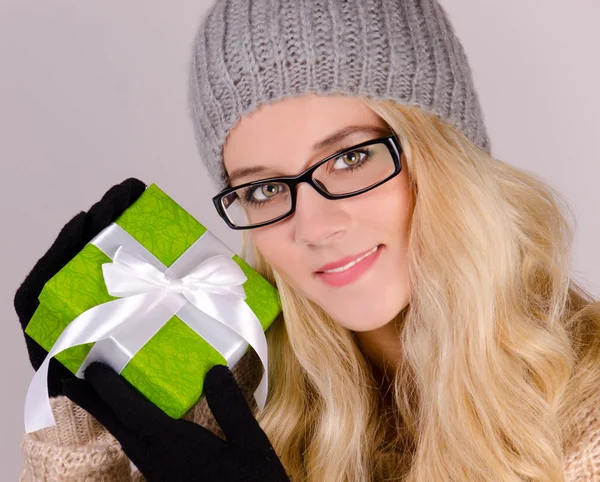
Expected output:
(72, 238)
(165, 449)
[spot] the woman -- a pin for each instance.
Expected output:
(430, 329)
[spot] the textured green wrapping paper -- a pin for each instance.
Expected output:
(170, 369)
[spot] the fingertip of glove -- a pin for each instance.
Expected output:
(219, 373)
(112, 204)
(98, 372)
(132, 189)
(220, 384)
(134, 184)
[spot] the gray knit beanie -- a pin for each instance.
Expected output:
(251, 52)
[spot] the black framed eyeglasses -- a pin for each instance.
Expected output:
(346, 173)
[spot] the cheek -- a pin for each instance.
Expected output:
(386, 209)
(275, 247)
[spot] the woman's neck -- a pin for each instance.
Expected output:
(382, 347)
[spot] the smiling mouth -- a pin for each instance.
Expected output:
(351, 263)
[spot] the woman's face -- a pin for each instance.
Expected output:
(280, 137)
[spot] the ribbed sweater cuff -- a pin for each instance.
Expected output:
(77, 449)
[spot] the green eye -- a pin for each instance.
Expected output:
(262, 193)
(351, 158)
(269, 190)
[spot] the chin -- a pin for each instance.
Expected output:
(370, 320)
(361, 326)
(368, 316)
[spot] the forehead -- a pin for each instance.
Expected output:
(284, 132)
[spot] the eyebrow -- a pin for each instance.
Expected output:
(329, 141)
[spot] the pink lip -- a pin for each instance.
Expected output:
(351, 274)
(343, 261)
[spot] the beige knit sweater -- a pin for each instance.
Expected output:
(79, 449)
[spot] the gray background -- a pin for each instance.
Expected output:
(94, 92)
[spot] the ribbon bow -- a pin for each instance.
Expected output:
(130, 274)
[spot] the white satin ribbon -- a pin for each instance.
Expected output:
(209, 299)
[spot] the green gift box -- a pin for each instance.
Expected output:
(169, 369)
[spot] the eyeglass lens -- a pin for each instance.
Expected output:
(351, 171)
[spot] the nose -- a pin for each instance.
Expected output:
(317, 220)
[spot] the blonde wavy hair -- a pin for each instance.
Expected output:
(500, 346)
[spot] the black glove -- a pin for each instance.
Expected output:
(165, 449)
(72, 238)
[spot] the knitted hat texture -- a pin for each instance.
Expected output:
(252, 52)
